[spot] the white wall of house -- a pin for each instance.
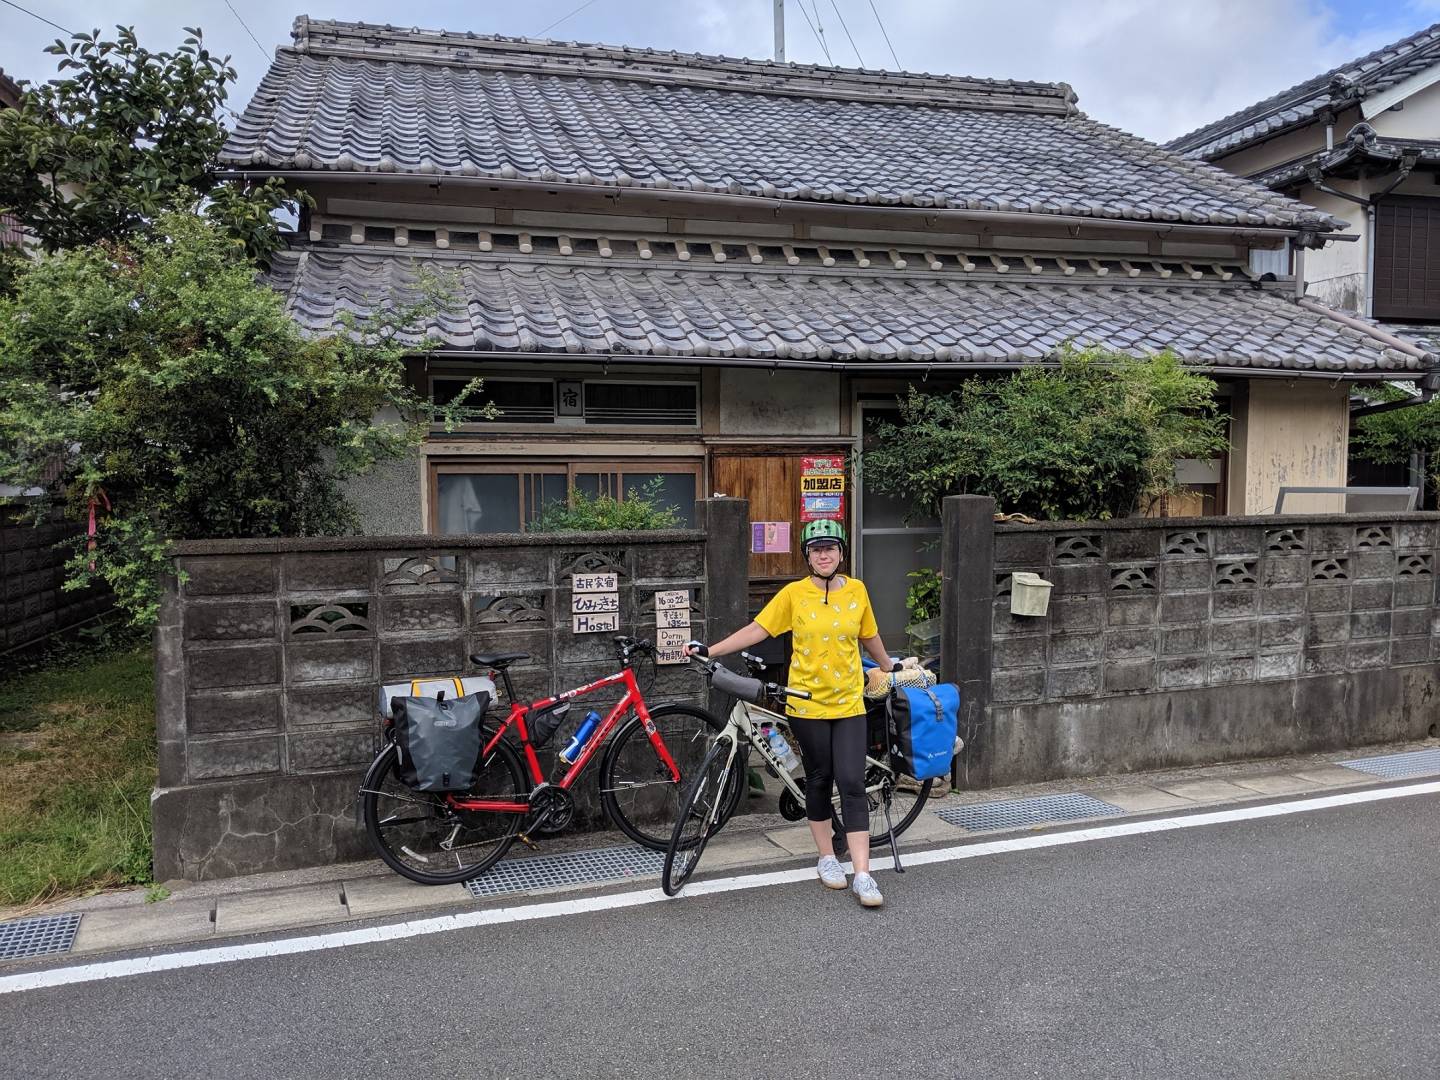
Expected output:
(1419, 118)
(1335, 274)
(762, 403)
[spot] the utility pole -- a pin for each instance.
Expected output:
(780, 31)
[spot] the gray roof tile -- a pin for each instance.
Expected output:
(538, 306)
(352, 98)
(1339, 88)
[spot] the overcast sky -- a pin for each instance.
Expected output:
(1155, 67)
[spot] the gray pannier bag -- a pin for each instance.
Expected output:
(439, 740)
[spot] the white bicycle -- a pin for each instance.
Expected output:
(714, 788)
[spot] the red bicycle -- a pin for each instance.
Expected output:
(438, 839)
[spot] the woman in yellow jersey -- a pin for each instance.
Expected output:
(829, 619)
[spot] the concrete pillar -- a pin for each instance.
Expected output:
(967, 593)
(726, 524)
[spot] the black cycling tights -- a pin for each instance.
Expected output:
(834, 753)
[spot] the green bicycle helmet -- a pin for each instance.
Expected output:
(824, 531)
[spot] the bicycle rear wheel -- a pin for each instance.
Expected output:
(422, 838)
(907, 800)
(704, 809)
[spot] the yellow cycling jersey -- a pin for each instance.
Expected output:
(825, 646)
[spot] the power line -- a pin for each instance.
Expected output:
(818, 37)
(841, 17)
(253, 38)
(562, 18)
(882, 31)
(32, 14)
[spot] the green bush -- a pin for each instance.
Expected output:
(1096, 437)
(639, 510)
(922, 598)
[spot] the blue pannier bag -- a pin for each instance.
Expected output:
(924, 721)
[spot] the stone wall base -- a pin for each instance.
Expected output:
(1125, 733)
(256, 826)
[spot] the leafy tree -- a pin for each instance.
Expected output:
(604, 513)
(1095, 437)
(157, 376)
(128, 136)
(1389, 438)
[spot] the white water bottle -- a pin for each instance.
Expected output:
(782, 750)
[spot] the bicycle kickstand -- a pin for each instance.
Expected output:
(894, 847)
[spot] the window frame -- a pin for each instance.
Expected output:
(1384, 275)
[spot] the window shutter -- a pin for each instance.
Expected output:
(1407, 258)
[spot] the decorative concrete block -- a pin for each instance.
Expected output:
(341, 660)
(228, 575)
(1278, 665)
(1372, 565)
(1186, 575)
(1328, 598)
(1065, 682)
(1238, 636)
(1079, 579)
(353, 705)
(443, 611)
(1331, 539)
(1074, 648)
(1289, 600)
(1361, 655)
(247, 710)
(1372, 596)
(668, 562)
(1021, 550)
(211, 759)
(237, 665)
(1121, 610)
(1234, 603)
(505, 566)
(1185, 608)
(439, 655)
(1413, 591)
(1184, 640)
(1415, 534)
(231, 621)
(1019, 652)
(1082, 614)
(1130, 644)
(1184, 672)
(1132, 545)
(348, 572)
(1237, 540)
(1129, 676)
(330, 750)
(1282, 630)
(1369, 624)
(1017, 685)
(1285, 570)
(1323, 660)
(1328, 629)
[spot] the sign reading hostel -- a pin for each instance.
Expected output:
(672, 625)
(595, 603)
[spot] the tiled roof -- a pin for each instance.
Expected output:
(1360, 149)
(9, 92)
(351, 98)
(1340, 88)
(556, 306)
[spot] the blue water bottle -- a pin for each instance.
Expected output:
(582, 736)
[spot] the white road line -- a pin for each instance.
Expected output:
(145, 965)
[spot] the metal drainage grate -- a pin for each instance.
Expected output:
(570, 868)
(38, 937)
(983, 817)
(1396, 766)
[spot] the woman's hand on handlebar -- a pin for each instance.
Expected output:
(697, 648)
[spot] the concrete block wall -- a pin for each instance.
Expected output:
(33, 603)
(1180, 641)
(269, 655)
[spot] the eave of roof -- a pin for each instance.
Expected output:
(856, 321)
(1334, 90)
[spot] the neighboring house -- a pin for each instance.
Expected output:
(708, 269)
(9, 99)
(1361, 142)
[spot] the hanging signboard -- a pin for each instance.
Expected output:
(594, 603)
(822, 487)
(672, 625)
(602, 623)
(591, 602)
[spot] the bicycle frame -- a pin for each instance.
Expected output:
(518, 712)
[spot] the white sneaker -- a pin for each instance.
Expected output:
(866, 891)
(831, 872)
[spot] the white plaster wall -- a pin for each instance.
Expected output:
(1419, 119)
(1295, 433)
(1335, 274)
(757, 402)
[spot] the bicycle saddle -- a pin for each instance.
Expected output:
(499, 660)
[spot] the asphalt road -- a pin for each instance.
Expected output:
(1300, 946)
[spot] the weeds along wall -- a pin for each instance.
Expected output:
(269, 655)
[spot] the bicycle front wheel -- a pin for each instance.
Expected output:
(704, 808)
(636, 788)
(422, 838)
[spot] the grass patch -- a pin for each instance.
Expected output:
(77, 753)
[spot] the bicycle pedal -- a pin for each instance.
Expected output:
(524, 839)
